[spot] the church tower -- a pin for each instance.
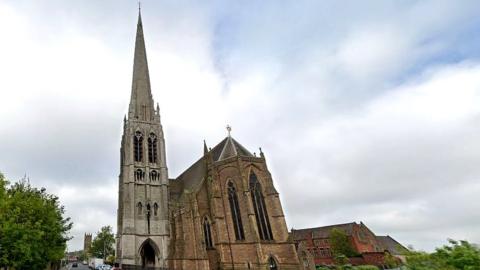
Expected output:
(142, 225)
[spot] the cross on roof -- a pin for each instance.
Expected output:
(229, 129)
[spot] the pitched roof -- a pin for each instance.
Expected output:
(232, 148)
(323, 232)
(192, 177)
(392, 245)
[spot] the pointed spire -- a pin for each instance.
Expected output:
(205, 148)
(141, 101)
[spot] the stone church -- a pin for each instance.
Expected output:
(223, 212)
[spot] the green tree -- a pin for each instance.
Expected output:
(102, 244)
(420, 260)
(456, 255)
(390, 261)
(340, 244)
(33, 231)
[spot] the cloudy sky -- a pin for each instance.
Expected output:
(366, 111)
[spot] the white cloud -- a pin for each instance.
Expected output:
(364, 111)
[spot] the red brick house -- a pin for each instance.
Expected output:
(315, 243)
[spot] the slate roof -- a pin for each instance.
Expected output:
(322, 232)
(191, 178)
(390, 244)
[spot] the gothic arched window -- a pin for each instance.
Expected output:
(154, 175)
(139, 175)
(261, 215)
(139, 208)
(272, 264)
(235, 210)
(137, 146)
(207, 233)
(155, 208)
(152, 148)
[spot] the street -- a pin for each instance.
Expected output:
(80, 267)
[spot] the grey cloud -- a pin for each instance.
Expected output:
(292, 81)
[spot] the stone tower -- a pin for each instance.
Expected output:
(142, 225)
(87, 242)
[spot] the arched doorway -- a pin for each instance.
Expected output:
(272, 264)
(148, 255)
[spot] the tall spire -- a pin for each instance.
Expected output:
(141, 101)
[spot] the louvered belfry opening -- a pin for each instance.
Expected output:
(137, 146)
(152, 148)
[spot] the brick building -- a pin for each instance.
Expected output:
(315, 242)
(223, 212)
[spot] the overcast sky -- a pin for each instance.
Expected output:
(366, 110)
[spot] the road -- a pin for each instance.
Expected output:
(80, 267)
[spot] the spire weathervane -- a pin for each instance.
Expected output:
(139, 5)
(229, 129)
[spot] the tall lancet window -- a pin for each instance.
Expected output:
(152, 148)
(261, 215)
(137, 146)
(207, 233)
(235, 210)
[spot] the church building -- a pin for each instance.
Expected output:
(223, 212)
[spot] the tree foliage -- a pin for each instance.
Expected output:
(102, 244)
(340, 244)
(33, 231)
(456, 255)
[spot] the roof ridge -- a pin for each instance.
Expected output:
(334, 225)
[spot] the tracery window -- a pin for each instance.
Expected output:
(152, 148)
(139, 175)
(154, 175)
(207, 233)
(235, 210)
(137, 146)
(261, 215)
(155, 208)
(139, 208)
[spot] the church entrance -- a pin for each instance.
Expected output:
(148, 255)
(272, 264)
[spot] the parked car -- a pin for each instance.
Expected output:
(103, 267)
(74, 264)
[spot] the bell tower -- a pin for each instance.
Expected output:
(142, 214)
